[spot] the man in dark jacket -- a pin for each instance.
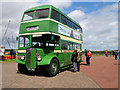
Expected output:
(116, 53)
(86, 53)
(11, 53)
(74, 59)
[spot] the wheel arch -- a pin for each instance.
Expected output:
(57, 61)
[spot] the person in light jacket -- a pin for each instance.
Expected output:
(74, 59)
(78, 61)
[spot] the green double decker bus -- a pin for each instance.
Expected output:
(47, 38)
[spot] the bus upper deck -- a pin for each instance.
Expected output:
(47, 19)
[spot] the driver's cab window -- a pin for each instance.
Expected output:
(45, 40)
(24, 41)
(21, 41)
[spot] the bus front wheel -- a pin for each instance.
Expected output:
(22, 68)
(53, 68)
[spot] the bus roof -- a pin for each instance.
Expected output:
(50, 6)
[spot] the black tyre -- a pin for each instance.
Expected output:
(52, 69)
(22, 68)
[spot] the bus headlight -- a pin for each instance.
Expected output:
(22, 57)
(39, 58)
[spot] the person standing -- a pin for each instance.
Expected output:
(74, 59)
(106, 53)
(78, 61)
(14, 54)
(116, 53)
(1, 55)
(119, 55)
(11, 53)
(86, 52)
(88, 57)
(113, 53)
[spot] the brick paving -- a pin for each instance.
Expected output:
(103, 70)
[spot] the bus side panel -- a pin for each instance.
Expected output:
(46, 60)
(53, 27)
(65, 59)
(69, 58)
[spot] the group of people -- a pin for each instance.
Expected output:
(115, 53)
(12, 54)
(88, 56)
(76, 59)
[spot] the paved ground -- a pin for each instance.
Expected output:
(103, 70)
(65, 79)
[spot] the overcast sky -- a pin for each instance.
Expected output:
(99, 20)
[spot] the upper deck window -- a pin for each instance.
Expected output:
(42, 13)
(55, 15)
(28, 15)
(74, 26)
(63, 20)
(69, 23)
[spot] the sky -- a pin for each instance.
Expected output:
(98, 19)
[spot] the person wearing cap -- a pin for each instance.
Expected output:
(74, 59)
(88, 57)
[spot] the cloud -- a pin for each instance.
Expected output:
(20, 0)
(76, 14)
(98, 26)
(13, 11)
(61, 3)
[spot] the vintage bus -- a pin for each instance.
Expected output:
(47, 38)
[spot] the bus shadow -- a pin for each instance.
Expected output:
(43, 72)
(83, 64)
(67, 69)
(36, 73)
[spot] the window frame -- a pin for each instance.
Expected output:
(42, 9)
(28, 19)
(64, 19)
(72, 43)
(57, 13)
(24, 44)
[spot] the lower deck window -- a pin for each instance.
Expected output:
(69, 45)
(46, 40)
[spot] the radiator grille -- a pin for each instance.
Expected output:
(28, 59)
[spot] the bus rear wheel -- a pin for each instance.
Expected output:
(22, 68)
(53, 68)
